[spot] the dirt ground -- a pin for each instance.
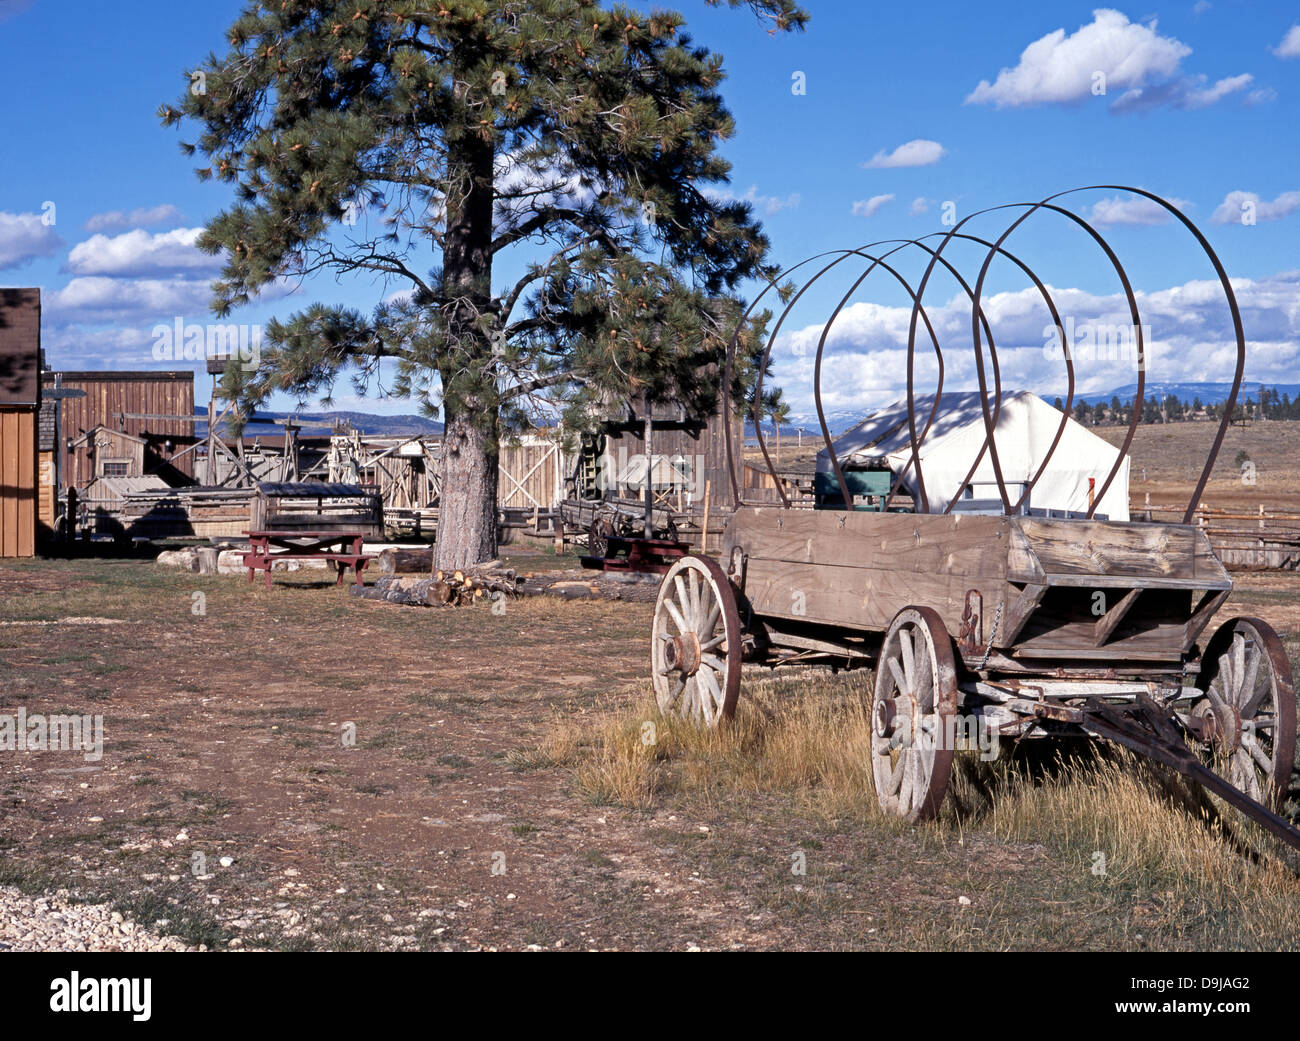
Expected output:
(233, 804)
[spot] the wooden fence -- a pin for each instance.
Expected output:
(1267, 539)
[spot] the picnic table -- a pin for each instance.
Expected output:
(344, 548)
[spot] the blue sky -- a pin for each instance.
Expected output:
(968, 104)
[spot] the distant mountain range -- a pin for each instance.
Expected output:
(788, 430)
(1210, 393)
(321, 423)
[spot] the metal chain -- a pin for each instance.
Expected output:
(997, 617)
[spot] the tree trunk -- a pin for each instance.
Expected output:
(467, 510)
(467, 507)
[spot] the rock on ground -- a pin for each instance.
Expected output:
(54, 922)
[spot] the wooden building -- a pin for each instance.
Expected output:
(108, 453)
(689, 456)
(20, 403)
(155, 407)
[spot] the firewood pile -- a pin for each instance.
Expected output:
(489, 582)
(482, 583)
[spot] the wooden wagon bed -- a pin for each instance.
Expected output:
(1024, 593)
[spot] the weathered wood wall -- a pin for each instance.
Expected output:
(111, 394)
(702, 442)
(47, 492)
(17, 481)
(532, 473)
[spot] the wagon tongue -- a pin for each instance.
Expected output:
(1147, 729)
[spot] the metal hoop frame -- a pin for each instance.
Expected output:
(980, 331)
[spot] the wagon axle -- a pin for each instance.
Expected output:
(1220, 726)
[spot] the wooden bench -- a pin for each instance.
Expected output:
(344, 548)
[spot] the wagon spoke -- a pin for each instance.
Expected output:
(714, 691)
(1215, 692)
(909, 659)
(693, 588)
(713, 662)
(711, 621)
(717, 641)
(676, 616)
(1252, 691)
(1257, 752)
(705, 695)
(924, 689)
(1238, 666)
(899, 679)
(909, 781)
(1247, 777)
(686, 703)
(897, 766)
(683, 601)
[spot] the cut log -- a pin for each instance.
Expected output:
(405, 561)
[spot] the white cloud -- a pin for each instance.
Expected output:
(142, 217)
(1234, 204)
(1132, 210)
(765, 204)
(120, 302)
(1200, 7)
(870, 207)
(1188, 330)
(1290, 45)
(920, 205)
(919, 152)
(138, 252)
(25, 237)
(1186, 92)
(1109, 53)
(100, 300)
(113, 347)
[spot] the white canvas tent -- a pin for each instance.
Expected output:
(1025, 428)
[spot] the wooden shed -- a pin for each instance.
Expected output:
(155, 407)
(20, 402)
(689, 455)
(109, 453)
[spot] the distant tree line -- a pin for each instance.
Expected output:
(1267, 404)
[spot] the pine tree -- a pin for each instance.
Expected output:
(776, 410)
(413, 144)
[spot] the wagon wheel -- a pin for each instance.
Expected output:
(696, 644)
(912, 710)
(1248, 714)
(598, 537)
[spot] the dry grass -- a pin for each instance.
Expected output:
(801, 735)
(1172, 867)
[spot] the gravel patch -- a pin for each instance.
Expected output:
(54, 922)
